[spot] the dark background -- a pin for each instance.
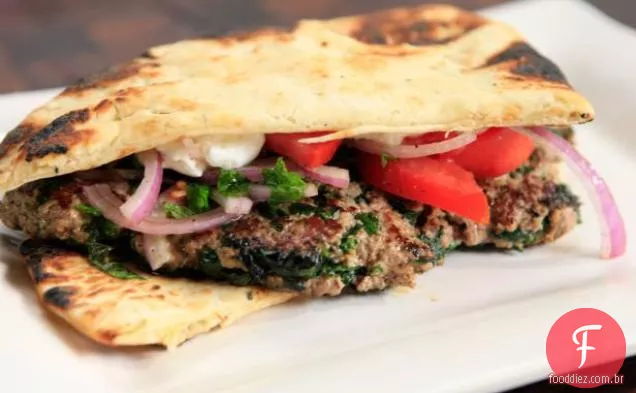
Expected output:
(49, 43)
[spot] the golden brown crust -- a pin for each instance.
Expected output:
(412, 69)
(153, 310)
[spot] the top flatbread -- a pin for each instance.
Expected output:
(420, 69)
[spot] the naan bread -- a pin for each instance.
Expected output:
(414, 69)
(153, 310)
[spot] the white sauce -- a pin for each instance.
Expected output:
(191, 156)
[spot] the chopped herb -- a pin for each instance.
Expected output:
(303, 209)
(436, 247)
(328, 213)
(232, 183)
(286, 186)
(385, 158)
(399, 205)
(100, 256)
(198, 196)
(173, 210)
(369, 221)
(520, 239)
(88, 210)
(349, 240)
(347, 274)
(109, 229)
(523, 170)
(376, 270)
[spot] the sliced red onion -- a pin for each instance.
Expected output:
(102, 198)
(260, 193)
(233, 205)
(408, 151)
(331, 175)
(253, 172)
(141, 203)
(613, 234)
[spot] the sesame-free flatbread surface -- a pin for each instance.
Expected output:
(419, 69)
(133, 312)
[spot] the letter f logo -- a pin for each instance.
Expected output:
(583, 344)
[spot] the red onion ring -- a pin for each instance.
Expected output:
(259, 192)
(141, 203)
(233, 205)
(331, 175)
(101, 197)
(253, 172)
(613, 234)
(412, 151)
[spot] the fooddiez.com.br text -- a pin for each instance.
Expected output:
(578, 379)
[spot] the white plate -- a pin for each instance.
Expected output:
(477, 324)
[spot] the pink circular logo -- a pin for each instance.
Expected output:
(586, 348)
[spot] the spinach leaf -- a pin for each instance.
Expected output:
(286, 186)
(198, 197)
(232, 183)
(100, 256)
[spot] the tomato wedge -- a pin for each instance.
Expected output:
(496, 151)
(432, 181)
(309, 155)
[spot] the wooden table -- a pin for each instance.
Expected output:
(49, 43)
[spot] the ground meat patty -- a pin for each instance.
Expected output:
(320, 245)
(357, 238)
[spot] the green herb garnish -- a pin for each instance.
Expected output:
(88, 210)
(369, 221)
(198, 196)
(302, 209)
(100, 256)
(376, 270)
(173, 210)
(232, 183)
(349, 240)
(286, 186)
(347, 274)
(109, 229)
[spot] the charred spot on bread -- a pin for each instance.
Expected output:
(524, 61)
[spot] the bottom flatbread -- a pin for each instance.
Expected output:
(127, 312)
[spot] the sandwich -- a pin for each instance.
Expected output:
(211, 178)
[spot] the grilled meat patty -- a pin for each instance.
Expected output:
(356, 238)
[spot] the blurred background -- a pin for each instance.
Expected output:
(50, 43)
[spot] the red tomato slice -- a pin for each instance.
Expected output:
(309, 155)
(431, 181)
(496, 152)
(430, 137)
